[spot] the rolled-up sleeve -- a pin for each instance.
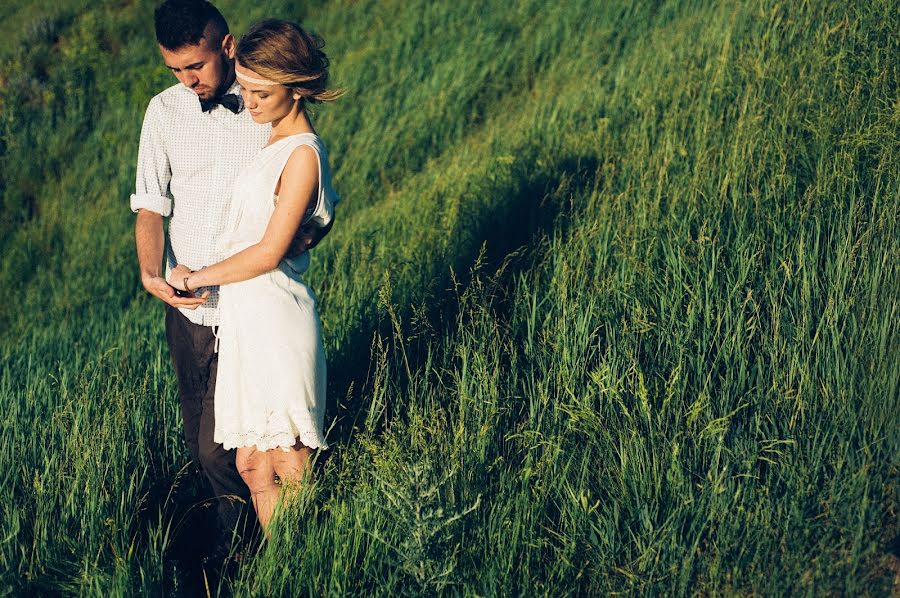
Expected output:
(153, 170)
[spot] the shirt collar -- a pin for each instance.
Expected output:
(235, 88)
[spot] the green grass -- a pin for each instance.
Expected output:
(610, 305)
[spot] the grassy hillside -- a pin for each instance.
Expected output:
(610, 304)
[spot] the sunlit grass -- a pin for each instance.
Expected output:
(610, 306)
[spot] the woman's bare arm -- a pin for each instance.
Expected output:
(299, 184)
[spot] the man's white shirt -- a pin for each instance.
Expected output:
(193, 157)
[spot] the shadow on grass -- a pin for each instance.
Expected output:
(511, 238)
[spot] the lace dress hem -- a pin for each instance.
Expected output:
(268, 441)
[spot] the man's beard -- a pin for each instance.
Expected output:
(227, 79)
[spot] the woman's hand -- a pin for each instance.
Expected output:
(178, 277)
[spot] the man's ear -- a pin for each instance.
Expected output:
(228, 45)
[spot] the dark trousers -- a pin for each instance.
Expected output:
(192, 349)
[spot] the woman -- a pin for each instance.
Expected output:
(270, 388)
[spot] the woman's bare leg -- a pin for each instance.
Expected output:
(292, 468)
(258, 473)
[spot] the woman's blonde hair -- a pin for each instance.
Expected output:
(281, 51)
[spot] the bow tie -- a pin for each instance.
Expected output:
(230, 101)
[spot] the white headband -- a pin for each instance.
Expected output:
(255, 80)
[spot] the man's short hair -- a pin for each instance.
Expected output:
(182, 23)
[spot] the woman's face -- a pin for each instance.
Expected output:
(266, 103)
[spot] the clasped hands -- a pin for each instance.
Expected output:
(159, 287)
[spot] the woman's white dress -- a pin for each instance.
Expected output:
(270, 386)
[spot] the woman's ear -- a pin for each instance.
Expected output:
(297, 95)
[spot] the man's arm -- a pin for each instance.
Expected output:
(150, 241)
(151, 203)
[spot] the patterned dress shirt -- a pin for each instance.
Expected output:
(187, 163)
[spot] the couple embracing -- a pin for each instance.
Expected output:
(230, 157)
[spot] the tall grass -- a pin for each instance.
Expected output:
(610, 306)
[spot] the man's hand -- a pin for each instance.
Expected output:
(158, 287)
(150, 241)
(308, 237)
(303, 240)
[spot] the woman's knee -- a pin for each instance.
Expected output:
(255, 469)
(293, 464)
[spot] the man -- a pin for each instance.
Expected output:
(195, 139)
